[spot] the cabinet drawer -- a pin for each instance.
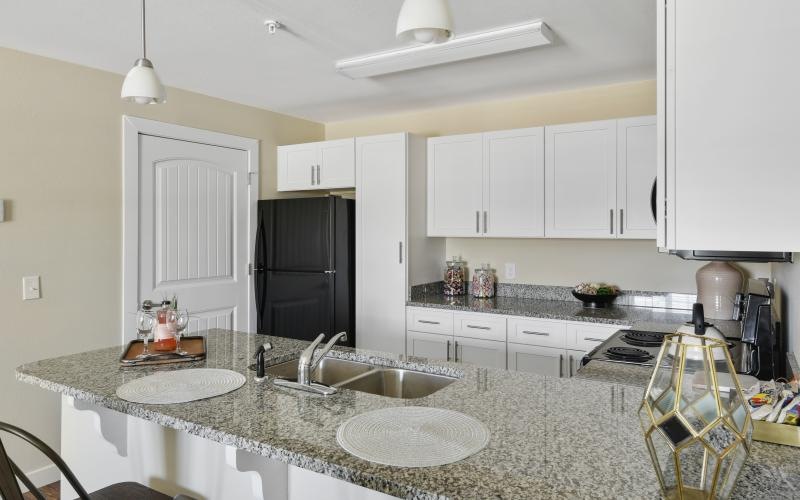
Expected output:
(423, 319)
(541, 332)
(480, 326)
(586, 336)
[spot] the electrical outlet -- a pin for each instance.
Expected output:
(31, 288)
(511, 270)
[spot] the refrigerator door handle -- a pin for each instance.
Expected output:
(312, 175)
(330, 271)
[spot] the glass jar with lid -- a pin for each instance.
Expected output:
(483, 282)
(454, 277)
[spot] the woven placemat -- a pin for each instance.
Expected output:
(181, 386)
(412, 436)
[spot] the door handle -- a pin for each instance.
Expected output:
(536, 333)
(312, 175)
(611, 221)
(478, 221)
(560, 365)
(455, 351)
(571, 365)
(318, 183)
(331, 271)
(476, 327)
(621, 221)
(428, 322)
(593, 339)
(401, 251)
(448, 349)
(484, 222)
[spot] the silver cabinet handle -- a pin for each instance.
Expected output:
(477, 221)
(611, 221)
(318, 175)
(560, 365)
(621, 221)
(455, 351)
(448, 349)
(536, 333)
(428, 322)
(593, 339)
(476, 327)
(571, 365)
(400, 244)
(484, 222)
(312, 175)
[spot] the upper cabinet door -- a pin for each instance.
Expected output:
(297, 167)
(455, 185)
(636, 177)
(337, 164)
(513, 183)
(581, 180)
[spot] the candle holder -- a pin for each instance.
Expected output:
(695, 419)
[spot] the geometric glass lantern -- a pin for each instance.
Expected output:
(695, 419)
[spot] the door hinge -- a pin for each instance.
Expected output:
(250, 176)
(249, 269)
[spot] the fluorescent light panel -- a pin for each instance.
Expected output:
(460, 48)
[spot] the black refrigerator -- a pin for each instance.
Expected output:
(304, 269)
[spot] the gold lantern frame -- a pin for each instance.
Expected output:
(742, 435)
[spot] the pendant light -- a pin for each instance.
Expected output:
(426, 21)
(141, 84)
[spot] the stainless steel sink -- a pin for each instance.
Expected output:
(398, 383)
(330, 371)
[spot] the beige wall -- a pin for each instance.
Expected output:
(60, 172)
(630, 264)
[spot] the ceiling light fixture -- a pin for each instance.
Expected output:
(470, 46)
(426, 21)
(141, 84)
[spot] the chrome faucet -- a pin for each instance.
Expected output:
(306, 365)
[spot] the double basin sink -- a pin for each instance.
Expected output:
(363, 377)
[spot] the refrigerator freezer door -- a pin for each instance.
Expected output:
(297, 305)
(298, 234)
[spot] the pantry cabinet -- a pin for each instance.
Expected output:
(317, 165)
(727, 121)
(636, 177)
(487, 185)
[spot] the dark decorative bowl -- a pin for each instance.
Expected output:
(594, 301)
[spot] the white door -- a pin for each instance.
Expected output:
(513, 183)
(546, 361)
(194, 230)
(489, 353)
(297, 167)
(381, 243)
(581, 180)
(337, 164)
(455, 185)
(429, 345)
(636, 176)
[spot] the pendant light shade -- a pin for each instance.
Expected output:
(142, 85)
(425, 21)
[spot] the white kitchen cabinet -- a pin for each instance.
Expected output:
(487, 185)
(480, 326)
(573, 361)
(489, 353)
(455, 185)
(581, 180)
(585, 336)
(317, 165)
(728, 111)
(548, 361)
(636, 177)
(392, 252)
(513, 183)
(429, 345)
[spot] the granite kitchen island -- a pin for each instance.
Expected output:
(550, 437)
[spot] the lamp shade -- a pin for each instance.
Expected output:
(426, 21)
(142, 85)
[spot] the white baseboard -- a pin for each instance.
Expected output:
(42, 476)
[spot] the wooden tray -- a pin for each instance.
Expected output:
(195, 347)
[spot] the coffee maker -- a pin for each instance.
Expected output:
(763, 350)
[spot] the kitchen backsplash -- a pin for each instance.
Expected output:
(638, 298)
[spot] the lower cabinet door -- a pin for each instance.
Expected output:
(547, 361)
(428, 345)
(489, 353)
(574, 361)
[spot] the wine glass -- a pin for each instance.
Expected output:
(144, 326)
(181, 319)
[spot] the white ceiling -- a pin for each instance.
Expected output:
(220, 48)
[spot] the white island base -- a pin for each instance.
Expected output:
(104, 447)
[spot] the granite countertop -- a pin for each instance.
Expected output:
(564, 310)
(550, 437)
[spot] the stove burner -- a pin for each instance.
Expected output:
(643, 339)
(628, 354)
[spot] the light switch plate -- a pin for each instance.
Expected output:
(31, 288)
(511, 270)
